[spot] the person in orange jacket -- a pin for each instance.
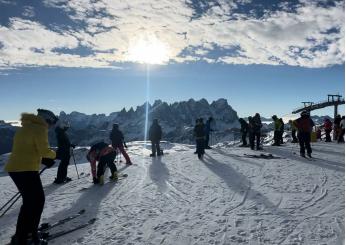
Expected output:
(30, 149)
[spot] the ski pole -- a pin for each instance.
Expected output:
(74, 160)
(15, 197)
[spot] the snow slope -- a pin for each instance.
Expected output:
(227, 198)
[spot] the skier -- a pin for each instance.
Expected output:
(328, 129)
(293, 131)
(118, 143)
(251, 130)
(337, 121)
(104, 155)
(282, 130)
(304, 125)
(30, 148)
(63, 152)
(155, 134)
(208, 129)
(277, 126)
(243, 129)
(199, 133)
(257, 125)
(342, 130)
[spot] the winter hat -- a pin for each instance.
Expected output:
(274, 116)
(48, 116)
(156, 120)
(115, 125)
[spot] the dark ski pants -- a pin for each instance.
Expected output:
(200, 147)
(276, 137)
(243, 137)
(341, 136)
(207, 140)
(155, 147)
(294, 137)
(255, 136)
(281, 137)
(106, 160)
(62, 170)
(304, 142)
(30, 187)
(328, 138)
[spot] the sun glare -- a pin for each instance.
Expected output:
(148, 50)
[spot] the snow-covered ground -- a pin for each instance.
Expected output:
(227, 198)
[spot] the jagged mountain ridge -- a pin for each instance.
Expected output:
(177, 120)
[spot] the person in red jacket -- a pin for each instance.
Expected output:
(104, 155)
(328, 126)
(304, 125)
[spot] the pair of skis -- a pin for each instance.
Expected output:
(45, 227)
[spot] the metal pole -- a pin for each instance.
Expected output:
(75, 163)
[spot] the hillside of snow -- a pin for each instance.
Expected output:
(226, 198)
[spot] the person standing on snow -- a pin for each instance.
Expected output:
(251, 131)
(63, 153)
(243, 130)
(30, 149)
(293, 131)
(155, 134)
(342, 130)
(257, 125)
(208, 129)
(277, 126)
(282, 130)
(118, 143)
(199, 133)
(328, 129)
(104, 155)
(337, 130)
(304, 125)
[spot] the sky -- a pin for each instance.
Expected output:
(97, 56)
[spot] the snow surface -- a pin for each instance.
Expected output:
(227, 198)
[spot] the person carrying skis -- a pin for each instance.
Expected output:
(304, 125)
(277, 126)
(104, 155)
(256, 125)
(293, 131)
(63, 153)
(118, 143)
(208, 129)
(30, 149)
(328, 129)
(155, 134)
(243, 129)
(342, 130)
(199, 134)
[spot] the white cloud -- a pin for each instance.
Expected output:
(301, 38)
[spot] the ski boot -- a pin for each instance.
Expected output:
(114, 176)
(68, 179)
(95, 180)
(152, 155)
(302, 154)
(309, 155)
(101, 180)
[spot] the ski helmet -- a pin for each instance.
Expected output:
(48, 116)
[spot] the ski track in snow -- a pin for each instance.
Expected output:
(225, 198)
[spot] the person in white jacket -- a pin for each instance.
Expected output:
(342, 130)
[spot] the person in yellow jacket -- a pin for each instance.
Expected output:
(30, 148)
(294, 131)
(277, 126)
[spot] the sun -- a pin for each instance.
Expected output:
(148, 49)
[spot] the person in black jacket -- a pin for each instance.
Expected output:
(199, 133)
(63, 153)
(282, 130)
(118, 142)
(243, 129)
(155, 134)
(256, 125)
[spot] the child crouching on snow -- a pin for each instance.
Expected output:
(104, 155)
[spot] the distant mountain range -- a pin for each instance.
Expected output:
(177, 121)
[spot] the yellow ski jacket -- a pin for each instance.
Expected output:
(30, 144)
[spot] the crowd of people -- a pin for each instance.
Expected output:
(31, 148)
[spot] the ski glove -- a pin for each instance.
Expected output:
(73, 146)
(47, 162)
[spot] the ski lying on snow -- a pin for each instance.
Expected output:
(263, 156)
(47, 226)
(50, 237)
